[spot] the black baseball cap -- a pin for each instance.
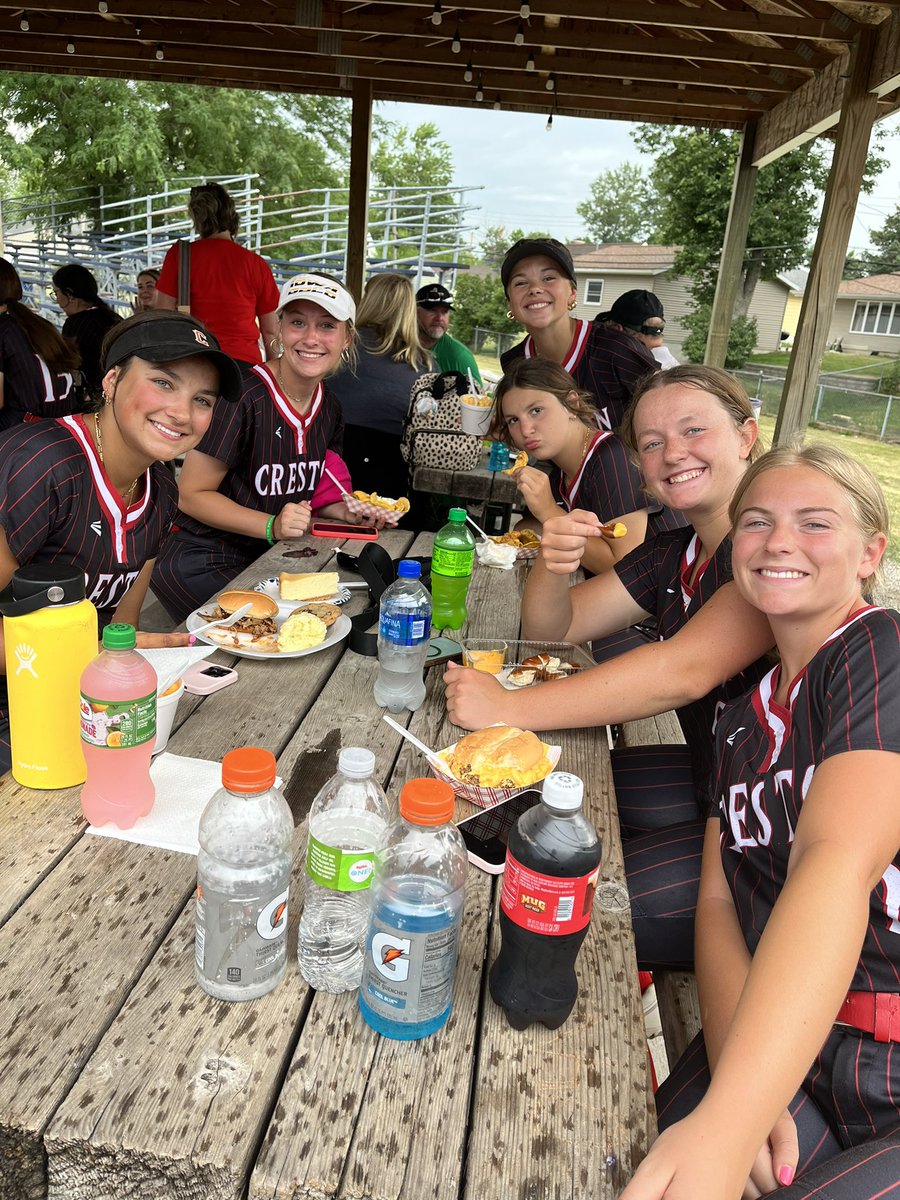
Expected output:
(434, 295)
(166, 337)
(633, 308)
(528, 248)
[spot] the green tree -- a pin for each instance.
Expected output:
(496, 241)
(622, 206)
(885, 258)
(480, 300)
(405, 158)
(692, 176)
(742, 337)
(127, 137)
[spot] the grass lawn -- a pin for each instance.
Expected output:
(831, 361)
(882, 459)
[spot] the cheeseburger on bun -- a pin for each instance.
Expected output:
(500, 757)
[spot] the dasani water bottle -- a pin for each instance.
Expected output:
(404, 630)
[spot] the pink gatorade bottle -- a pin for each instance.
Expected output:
(118, 729)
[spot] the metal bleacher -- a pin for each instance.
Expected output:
(414, 230)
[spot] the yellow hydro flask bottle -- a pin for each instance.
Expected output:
(50, 635)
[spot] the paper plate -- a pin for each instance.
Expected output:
(335, 633)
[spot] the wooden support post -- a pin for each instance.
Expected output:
(358, 207)
(733, 250)
(845, 178)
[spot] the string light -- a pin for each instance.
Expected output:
(456, 44)
(529, 66)
(468, 74)
(497, 104)
(524, 11)
(137, 29)
(549, 124)
(550, 85)
(70, 47)
(437, 16)
(102, 7)
(519, 39)
(23, 24)
(479, 91)
(160, 52)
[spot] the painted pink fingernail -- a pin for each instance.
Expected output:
(786, 1175)
(192, 641)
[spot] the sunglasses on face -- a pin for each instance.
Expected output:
(653, 330)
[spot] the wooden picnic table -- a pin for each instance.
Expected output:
(120, 1078)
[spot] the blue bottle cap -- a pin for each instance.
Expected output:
(409, 569)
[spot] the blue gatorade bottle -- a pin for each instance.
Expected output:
(417, 907)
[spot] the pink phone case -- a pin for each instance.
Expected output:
(199, 683)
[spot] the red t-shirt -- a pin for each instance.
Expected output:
(230, 288)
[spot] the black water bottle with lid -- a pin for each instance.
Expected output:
(552, 867)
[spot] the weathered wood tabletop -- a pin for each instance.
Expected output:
(120, 1078)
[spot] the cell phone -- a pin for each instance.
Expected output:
(202, 679)
(332, 529)
(487, 833)
(442, 650)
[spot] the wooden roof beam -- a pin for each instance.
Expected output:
(833, 28)
(405, 50)
(816, 106)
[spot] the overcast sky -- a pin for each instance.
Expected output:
(534, 179)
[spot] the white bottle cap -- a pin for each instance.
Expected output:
(563, 791)
(356, 762)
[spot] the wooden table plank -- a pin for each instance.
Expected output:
(112, 904)
(214, 1095)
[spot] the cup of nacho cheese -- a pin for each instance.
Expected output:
(475, 414)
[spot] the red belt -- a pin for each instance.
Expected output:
(877, 1013)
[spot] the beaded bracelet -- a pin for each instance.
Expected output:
(270, 531)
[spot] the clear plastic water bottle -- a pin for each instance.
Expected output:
(451, 571)
(404, 630)
(417, 908)
(552, 867)
(243, 875)
(348, 820)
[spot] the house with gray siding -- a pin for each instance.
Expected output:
(866, 316)
(606, 272)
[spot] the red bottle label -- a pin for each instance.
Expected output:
(546, 903)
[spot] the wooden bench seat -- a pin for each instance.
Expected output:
(676, 991)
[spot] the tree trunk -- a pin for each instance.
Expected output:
(749, 280)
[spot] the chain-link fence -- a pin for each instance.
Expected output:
(489, 341)
(870, 413)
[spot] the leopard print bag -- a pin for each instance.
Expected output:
(432, 436)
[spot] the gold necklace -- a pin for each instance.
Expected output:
(302, 404)
(98, 438)
(588, 437)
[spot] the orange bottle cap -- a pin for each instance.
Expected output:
(249, 769)
(427, 802)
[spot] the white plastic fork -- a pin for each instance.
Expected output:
(225, 621)
(411, 737)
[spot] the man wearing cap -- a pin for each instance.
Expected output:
(640, 314)
(433, 305)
